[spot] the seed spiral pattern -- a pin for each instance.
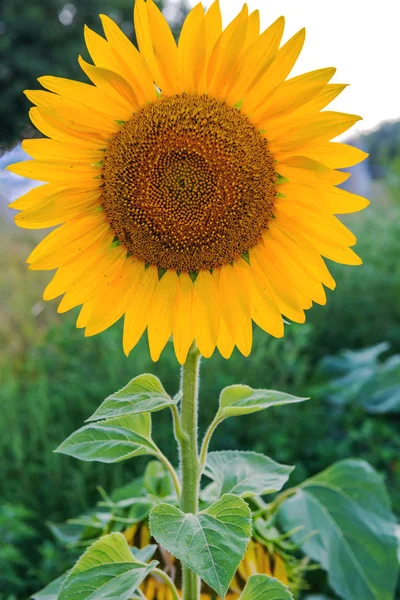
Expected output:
(188, 183)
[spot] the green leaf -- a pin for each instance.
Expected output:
(237, 400)
(51, 591)
(146, 553)
(244, 474)
(112, 440)
(211, 543)
(116, 581)
(144, 393)
(262, 587)
(157, 480)
(348, 506)
(106, 571)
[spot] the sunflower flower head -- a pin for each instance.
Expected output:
(193, 184)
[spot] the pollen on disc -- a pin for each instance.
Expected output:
(189, 183)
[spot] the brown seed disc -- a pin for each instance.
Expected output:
(189, 183)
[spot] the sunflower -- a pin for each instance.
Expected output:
(193, 184)
(257, 559)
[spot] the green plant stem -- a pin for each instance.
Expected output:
(206, 442)
(171, 471)
(273, 506)
(169, 583)
(189, 455)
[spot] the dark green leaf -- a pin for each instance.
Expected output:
(244, 474)
(211, 543)
(144, 393)
(111, 441)
(347, 505)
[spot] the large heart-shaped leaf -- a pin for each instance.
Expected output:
(106, 571)
(211, 543)
(144, 393)
(244, 474)
(263, 587)
(237, 400)
(112, 440)
(347, 505)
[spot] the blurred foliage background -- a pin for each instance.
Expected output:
(52, 379)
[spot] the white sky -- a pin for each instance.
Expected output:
(361, 38)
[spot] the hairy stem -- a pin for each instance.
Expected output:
(206, 442)
(171, 471)
(189, 456)
(169, 583)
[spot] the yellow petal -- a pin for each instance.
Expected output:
(256, 60)
(110, 305)
(85, 93)
(112, 84)
(270, 278)
(235, 306)
(293, 270)
(206, 312)
(311, 260)
(293, 93)
(264, 310)
(213, 22)
(34, 197)
(225, 56)
(335, 155)
(329, 248)
(183, 325)
(73, 114)
(84, 315)
(158, 46)
(70, 272)
(323, 127)
(332, 199)
(55, 171)
(135, 70)
(100, 50)
(253, 29)
(162, 312)
(301, 169)
(277, 124)
(279, 69)
(58, 208)
(96, 278)
(225, 341)
(56, 130)
(45, 149)
(322, 225)
(139, 301)
(68, 240)
(192, 48)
